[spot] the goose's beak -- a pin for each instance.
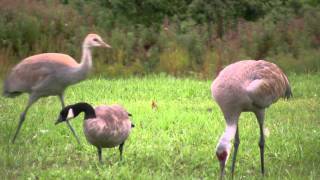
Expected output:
(59, 120)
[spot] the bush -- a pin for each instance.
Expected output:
(174, 59)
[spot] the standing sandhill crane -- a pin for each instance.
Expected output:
(246, 86)
(49, 74)
(104, 126)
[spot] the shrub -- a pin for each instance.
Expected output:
(174, 59)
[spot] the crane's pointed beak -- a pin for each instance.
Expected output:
(103, 44)
(222, 169)
(222, 157)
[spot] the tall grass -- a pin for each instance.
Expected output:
(176, 141)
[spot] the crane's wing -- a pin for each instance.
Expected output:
(30, 72)
(267, 84)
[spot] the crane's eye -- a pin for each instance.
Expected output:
(95, 39)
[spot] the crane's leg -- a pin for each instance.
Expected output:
(235, 151)
(67, 121)
(61, 98)
(32, 100)
(121, 149)
(260, 117)
(100, 154)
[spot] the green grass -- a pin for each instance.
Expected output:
(177, 141)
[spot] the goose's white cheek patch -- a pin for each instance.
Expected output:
(70, 114)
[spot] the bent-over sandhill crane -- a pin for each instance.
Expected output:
(104, 127)
(246, 86)
(49, 74)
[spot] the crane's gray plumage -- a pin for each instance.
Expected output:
(247, 85)
(49, 74)
(104, 127)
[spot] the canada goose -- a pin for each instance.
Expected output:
(49, 74)
(104, 127)
(246, 86)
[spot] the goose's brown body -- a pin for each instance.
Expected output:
(104, 126)
(110, 128)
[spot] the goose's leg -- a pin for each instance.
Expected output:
(67, 121)
(121, 149)
(100, 154)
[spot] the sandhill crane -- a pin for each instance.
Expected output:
(104, 127)
(49, 74)
(246, 86)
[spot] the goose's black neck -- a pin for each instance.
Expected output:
(84, 107)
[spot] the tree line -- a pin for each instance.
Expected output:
(179, 37)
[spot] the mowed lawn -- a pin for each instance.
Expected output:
(176, 141)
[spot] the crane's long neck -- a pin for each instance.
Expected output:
(227, 136)
(229, 133)
(81, 72)
(86, 60)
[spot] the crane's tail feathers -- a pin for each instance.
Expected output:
(7, 93)
(11, 94)
(288, 94)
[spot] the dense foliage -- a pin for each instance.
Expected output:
(179, 37)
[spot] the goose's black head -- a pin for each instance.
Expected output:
(72, 111)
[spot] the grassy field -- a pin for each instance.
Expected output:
(176, 141)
